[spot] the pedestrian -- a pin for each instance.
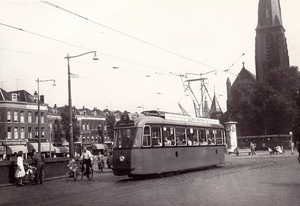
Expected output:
(252, 148)
(38, 160)
(20, 173)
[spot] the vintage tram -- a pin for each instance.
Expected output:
(159, 142)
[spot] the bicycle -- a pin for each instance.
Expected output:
(30, 174)
(83, 173)
(100, 165)
(73, 174)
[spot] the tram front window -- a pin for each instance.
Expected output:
(124, 138)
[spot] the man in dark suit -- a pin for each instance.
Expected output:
(39, 161)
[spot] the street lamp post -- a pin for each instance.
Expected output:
(38, 102)
(71, 150)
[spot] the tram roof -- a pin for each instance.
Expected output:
(167, 118)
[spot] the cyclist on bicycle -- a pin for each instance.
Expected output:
(100, 161)
(86, 158)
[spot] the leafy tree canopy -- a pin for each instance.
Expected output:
(269, 107)
(65, 122)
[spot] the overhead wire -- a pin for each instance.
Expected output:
(128, 35)
(74, 45)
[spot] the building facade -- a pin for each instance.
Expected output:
(19, 127)
(19, 122)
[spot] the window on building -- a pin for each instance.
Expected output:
(22, 118)
(36, 117)
(16, 133)
(16, 116)
(8, 116)
(42, 117)
(22, 133)
(267, 13)
(29, 117)
(42, 132)
(29, 132)
(36, 132)
(83, 126)
(87, 127)
(9, 135)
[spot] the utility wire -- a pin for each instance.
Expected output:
(46, 37)
(53, 39)
(130, 36)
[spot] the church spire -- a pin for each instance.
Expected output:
(269, 13)
(270, 42)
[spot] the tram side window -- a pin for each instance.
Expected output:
(156, 136)
(168, 135)
(211, 137)
(192, 138)
(180, 136)
(147, 137)
(202, 137)
(219, 136)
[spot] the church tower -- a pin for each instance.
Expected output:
(270, 42)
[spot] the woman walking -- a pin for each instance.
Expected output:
(20, 173)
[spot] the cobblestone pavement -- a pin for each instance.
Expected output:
(264, 179)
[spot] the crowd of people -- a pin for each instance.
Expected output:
(38, 161)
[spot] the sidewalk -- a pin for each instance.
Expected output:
(95, 168)
(245, 152)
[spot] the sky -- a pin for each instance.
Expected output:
(147, 49)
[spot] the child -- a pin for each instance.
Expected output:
(72, 166)
(20, 173)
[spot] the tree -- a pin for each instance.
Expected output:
(110, 121)
(65, 122)
(270, 107)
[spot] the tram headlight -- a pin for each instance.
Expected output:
(121, 158)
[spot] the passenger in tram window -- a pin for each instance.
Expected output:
(167, 141)
(129, 138)
(202, 141)
(157, 142)
(189, 141)
(210, 141)
(179, 142)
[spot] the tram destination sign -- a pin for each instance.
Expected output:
(191, 119)
(125, 124)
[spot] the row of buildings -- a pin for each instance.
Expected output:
(19, 127)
